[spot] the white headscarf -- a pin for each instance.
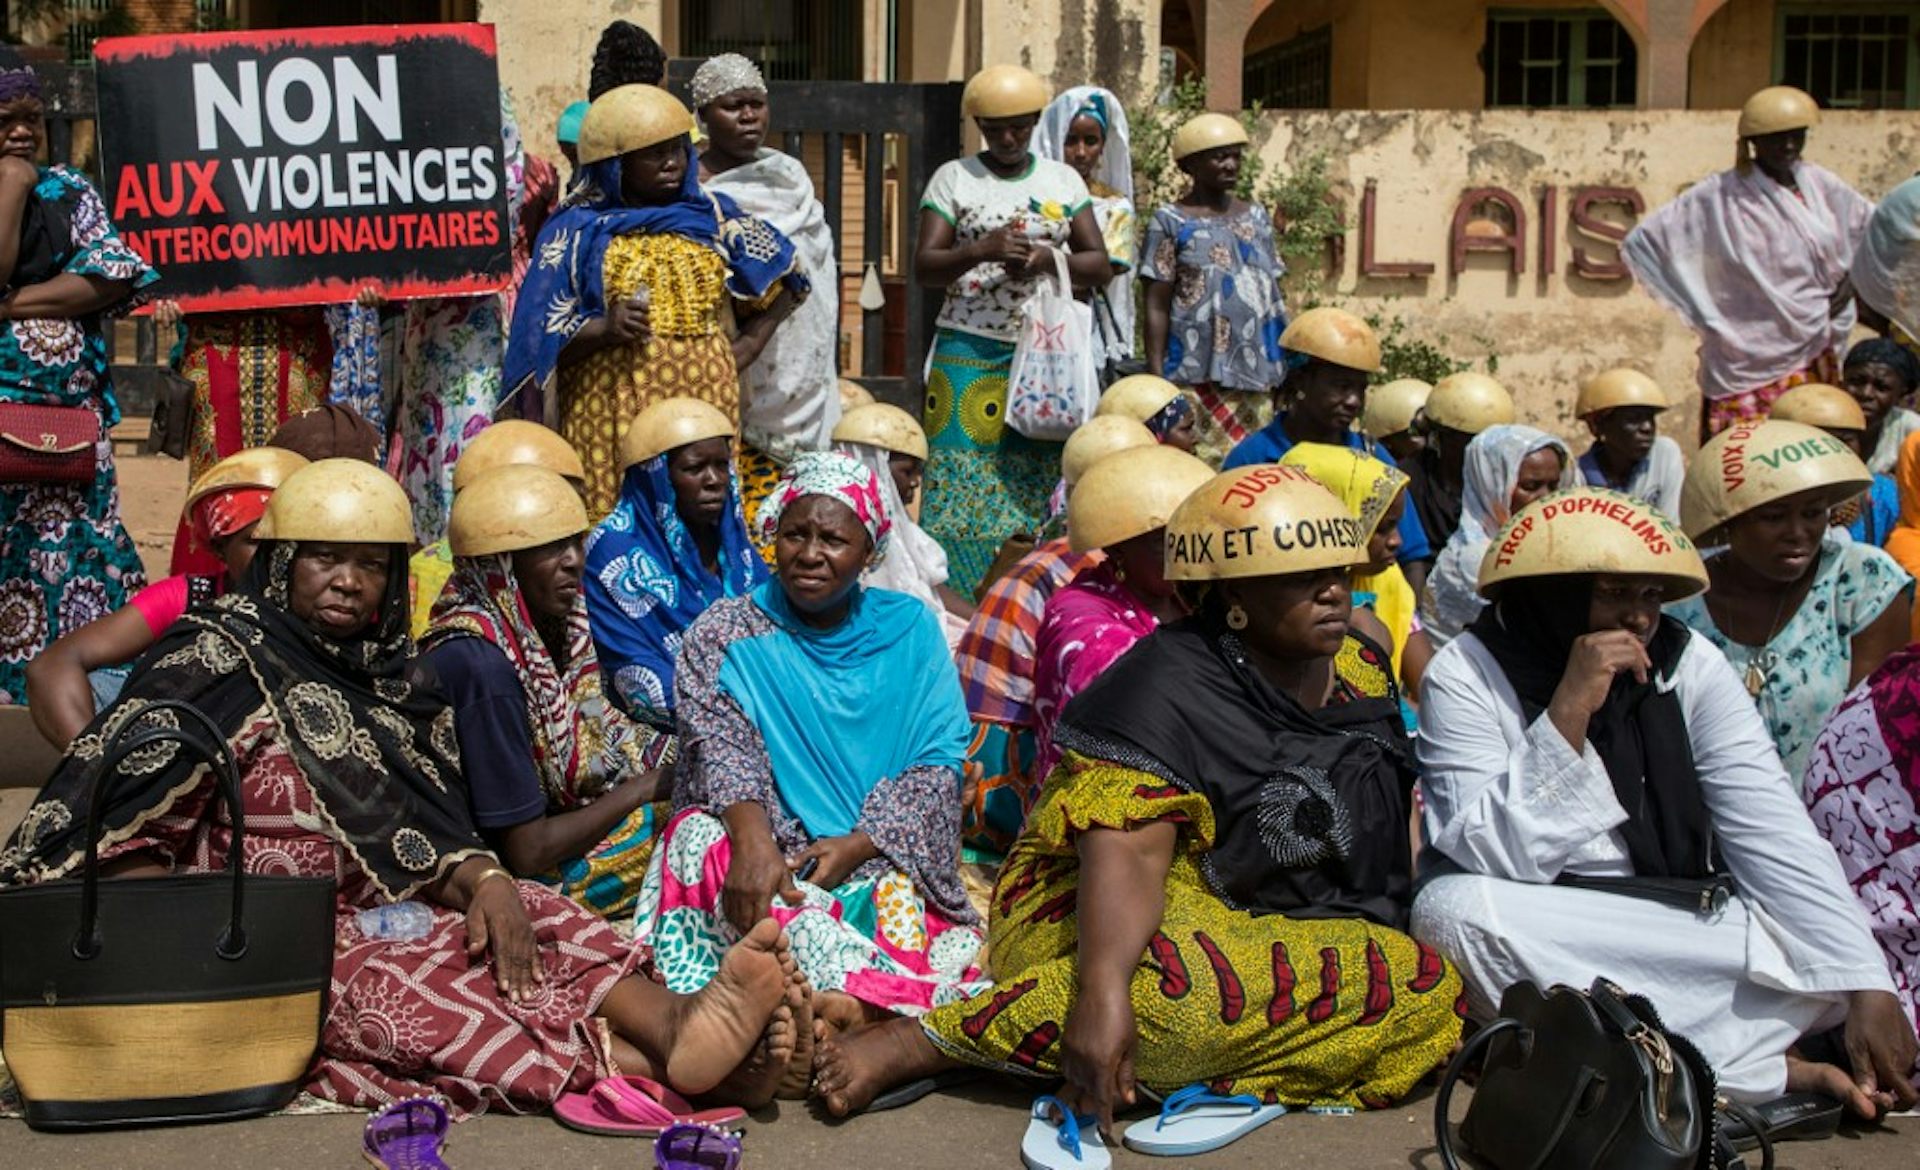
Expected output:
(1886, 269)
(1452, 599)
(1114, 170)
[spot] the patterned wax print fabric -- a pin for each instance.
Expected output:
(1228, 313)
(450, 351)
(1863, 790)
(693, 255)
(1298, 1011)
(65, 556)
(984, 481)
(581, 744)
(250, 373)
(1808, 662)
(756, 686)
(645, 583)
(1751, 406)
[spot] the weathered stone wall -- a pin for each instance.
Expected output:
(1549, 329)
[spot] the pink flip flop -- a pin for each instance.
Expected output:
(633, 1106)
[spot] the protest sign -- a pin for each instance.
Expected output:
(263, 169)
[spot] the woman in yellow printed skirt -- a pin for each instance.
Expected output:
(1223, 763)
(635, 283)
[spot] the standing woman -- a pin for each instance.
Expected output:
(1754, 260)
(1086, 128)
(1215, 311)
(675, 544)
(627, 299)
(65, 556)
(989, 227)
(1508, 467)
(789, 401)
(1802, 612)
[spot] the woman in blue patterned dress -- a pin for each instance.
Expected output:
(65, 557)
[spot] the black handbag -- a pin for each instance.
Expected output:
(190, 997)
(1585, 1081)
(1113, 369)
(172, 425)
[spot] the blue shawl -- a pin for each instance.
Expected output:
(645, 584)
(563, 288)
(843, 710)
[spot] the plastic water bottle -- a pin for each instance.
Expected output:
(395, 921)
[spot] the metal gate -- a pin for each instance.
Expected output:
(900, 134)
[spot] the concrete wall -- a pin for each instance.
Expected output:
(1549, 331)
(546, 50)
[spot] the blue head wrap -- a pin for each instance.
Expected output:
(570, 119)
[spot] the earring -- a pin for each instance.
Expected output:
(1236, 617)
(1119, 572)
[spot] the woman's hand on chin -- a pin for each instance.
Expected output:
(497, 922)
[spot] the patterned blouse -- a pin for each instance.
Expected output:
(1228, 312)
(1812, 655)
(913, 818)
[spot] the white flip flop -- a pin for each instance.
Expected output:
(1072, 1143)
(1196, 1121)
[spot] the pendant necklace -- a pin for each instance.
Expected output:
(1761, 661)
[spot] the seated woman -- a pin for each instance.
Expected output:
(673, 546)
(637, 282)
(1621, 408)
(890, 443)
(1507, 468)
(559, 782)
(1119, 507)
(348, 772)
(1156, 404)
(1802, 612)
(1376, 494)
(1882, 375)
(1863, 790)
(505, 443)
(83, 671)
(1214, 885)
(821, 735)
(1869, 517)
(1573, 740)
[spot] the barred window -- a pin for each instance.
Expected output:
(1850, 56)
(1577, 58)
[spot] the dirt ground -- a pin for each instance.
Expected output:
(977, 1125)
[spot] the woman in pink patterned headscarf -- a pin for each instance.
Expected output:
(1863, 789)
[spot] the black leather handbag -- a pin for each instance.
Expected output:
(190, 997)
(1584, 1081)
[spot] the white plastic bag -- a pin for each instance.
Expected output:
(1054, 385)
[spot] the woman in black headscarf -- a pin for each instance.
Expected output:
(1602, 799)
(349, 772)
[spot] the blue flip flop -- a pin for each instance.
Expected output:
(1073, 1143)
(1194, 1120)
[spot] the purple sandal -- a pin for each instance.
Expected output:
(407, 1134)
(696, 1147)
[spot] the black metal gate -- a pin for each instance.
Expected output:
(71, 106)
(924, 123)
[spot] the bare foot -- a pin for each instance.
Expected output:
(753, 1081)
(1807, 1076)
(854, 1068)
(721, 1025)
(799, 1075)
(836, 1012)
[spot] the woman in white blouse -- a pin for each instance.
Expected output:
(1576, 744)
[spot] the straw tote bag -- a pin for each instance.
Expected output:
(190, 997)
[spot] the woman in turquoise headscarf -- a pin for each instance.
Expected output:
(822, 733)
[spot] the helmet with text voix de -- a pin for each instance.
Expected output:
(1753, 464)
(1130, 493)
(339, 501)
(518, 506)
(1262, 520)
(1592, 530)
